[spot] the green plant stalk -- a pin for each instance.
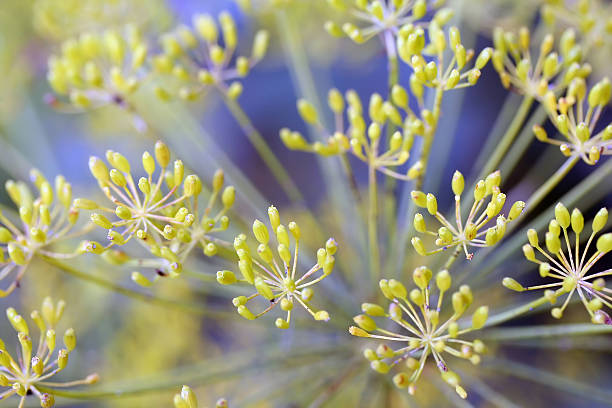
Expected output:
(547, 378)
(187, 307)
(523, 141)
(510, 314)
(372, 222)
(552, 182)
(539, 332)
(508, 138)
(200, 374)
(429, 137)
(265, 153)
(390, 183)
(424, 157)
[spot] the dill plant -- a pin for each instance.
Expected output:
(435, 328)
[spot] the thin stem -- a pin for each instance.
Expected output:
(520, 333)
(514, 312)
(508, 138)
(372, 224)
(552, 182)
(188, 307)
(267, 155)
(429, 137)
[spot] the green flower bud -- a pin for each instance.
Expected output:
(228, 197)
(307, 111)
(397, 289)
(226, 277)
(600, 220)
(457, 183)
(365, 322)
(417, 243)
(419, 223)
(604, 243)
(263, 289)
(372, 309)
(512, 284)
(480, 317)
(432, 204)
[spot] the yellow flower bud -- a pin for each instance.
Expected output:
(226, 277)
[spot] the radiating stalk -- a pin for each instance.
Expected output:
(265, 153)
(539, 332)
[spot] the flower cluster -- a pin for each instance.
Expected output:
(535, 76)
(592, 18)
(187, 399)
(278, 282)
(161, 210)
(438, 73)
(571, 269)
(98, 69)
(386, 18)
(28, 374)
(418, 315)
(471, 232)
(575, 116)
(43, 221)
(195, 59)
(363, 140)
(62, 19)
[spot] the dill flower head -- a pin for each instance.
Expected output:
(362, 139)
(67, 18)
(575, 117)
(29, 372)
(275, 276)
(536, 75)
(572, 270)
(430, 63)
(187, 399)
(161, 210)
(195, 59)
(592, 18)
(97, 69)
(42, 221)
(381, 17)
(416, 314)
(470, 232)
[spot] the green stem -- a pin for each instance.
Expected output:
(187, 307)
(539, 332)
(372, 224)
(267, 155)
(552, 182)
(429, 137)
(555, 381)
(200, 374)
(514, 312)
(506, 141)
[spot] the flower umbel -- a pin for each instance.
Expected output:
(278, 282)
(418, 314)
(100, 69)
(361, 139)
(164, 219)
(30, 371)
(196, 59)
(471, 232)
(575, 116)
(45, 220)
(536, 75)
(572, 270)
